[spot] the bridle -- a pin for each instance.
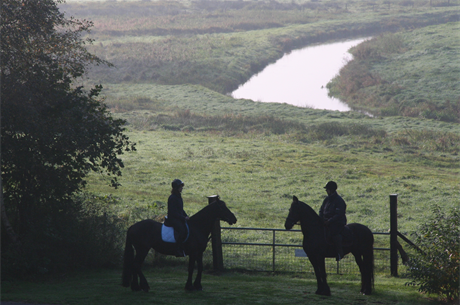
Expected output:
(290, 221)
(220, 205)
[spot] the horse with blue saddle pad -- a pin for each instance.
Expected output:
(147, 234)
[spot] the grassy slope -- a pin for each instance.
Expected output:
(430, 69)
(414, 70)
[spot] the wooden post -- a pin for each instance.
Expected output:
(394, 234)
(217, 257)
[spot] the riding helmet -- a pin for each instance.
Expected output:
(176, 183)
(331, 185)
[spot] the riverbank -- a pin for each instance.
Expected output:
(413, 73)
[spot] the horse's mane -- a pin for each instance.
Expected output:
(309, 210)
(203, 214)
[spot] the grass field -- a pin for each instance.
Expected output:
(103, 287)
(257, 174)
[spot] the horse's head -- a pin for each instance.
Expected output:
(294, 214)
(224, 213)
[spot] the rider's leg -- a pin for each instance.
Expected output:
(337, 239)
(179, 234)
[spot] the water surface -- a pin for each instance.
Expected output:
(300, 77)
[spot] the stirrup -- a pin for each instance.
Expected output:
(180, 253)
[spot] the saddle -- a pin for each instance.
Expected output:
(347, 237)
(167, 232)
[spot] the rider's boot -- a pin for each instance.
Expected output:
(179, 250)
(337, 239)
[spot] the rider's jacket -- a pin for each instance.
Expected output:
(176, 207)
(333, 210)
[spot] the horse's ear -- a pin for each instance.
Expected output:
(295, 199)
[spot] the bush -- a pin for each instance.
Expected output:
(88, 235)
(329, 130)
(436, 270)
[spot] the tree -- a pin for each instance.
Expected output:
(53, 132)
(436, 269)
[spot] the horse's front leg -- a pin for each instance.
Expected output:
(320, 273)
(199, 264)
(322, 266)
(191, 266)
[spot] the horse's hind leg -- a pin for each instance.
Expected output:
(368, 271)
(365, 265)
(359, 262)
(137, 266)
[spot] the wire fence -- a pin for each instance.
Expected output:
(278, 250)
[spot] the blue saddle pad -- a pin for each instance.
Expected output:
(167, 234)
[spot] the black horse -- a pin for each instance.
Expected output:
(317, 247)
(146, 234)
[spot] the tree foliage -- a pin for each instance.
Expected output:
(437, 269)
(53, 132)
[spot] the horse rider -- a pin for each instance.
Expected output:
(332, 212)
(177, 216)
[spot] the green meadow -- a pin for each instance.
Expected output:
(257, 175)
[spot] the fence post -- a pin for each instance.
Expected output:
(394, 234)
(217, 257)
(274, 250)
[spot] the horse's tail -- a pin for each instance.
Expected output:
(368, 257)
(128, 260)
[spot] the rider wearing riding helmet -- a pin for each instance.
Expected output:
(332, 212)
(177, 216)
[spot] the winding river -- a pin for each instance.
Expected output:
(300, 77)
